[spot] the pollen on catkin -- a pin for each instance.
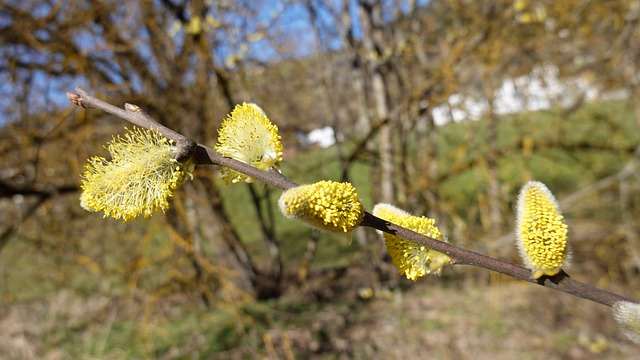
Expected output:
(411, 259)
(325, 205)
(627, 315)
(248, 136)
(540, 231)
(141, 175)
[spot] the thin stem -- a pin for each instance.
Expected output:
(461, 256)
(204, 155)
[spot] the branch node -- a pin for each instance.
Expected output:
(79, 98)
(140, 112)
(186, 148)
(75, 98)
(132, 107)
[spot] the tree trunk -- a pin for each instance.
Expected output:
(493, 181)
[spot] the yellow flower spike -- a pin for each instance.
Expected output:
(325, 205)
(540, 231)
(248, 136)
(140, 177)
(627, 315)
(411, 259)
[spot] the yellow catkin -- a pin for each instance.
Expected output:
(141, 175)
(248, 136)
(325, 205)
(411, 259)
(540, 230)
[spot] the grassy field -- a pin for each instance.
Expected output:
(106, 300)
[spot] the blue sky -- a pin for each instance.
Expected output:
(292, 21)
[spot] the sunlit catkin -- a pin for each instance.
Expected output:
(411, 259)
(540, 231)
(248, 136)
(325, 205)
(141, 175)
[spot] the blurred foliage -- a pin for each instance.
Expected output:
(212, 278)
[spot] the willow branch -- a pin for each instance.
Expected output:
(204, 155)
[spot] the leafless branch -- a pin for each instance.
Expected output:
(207, 156)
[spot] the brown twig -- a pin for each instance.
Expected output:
(204, 155)
(461, 256)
